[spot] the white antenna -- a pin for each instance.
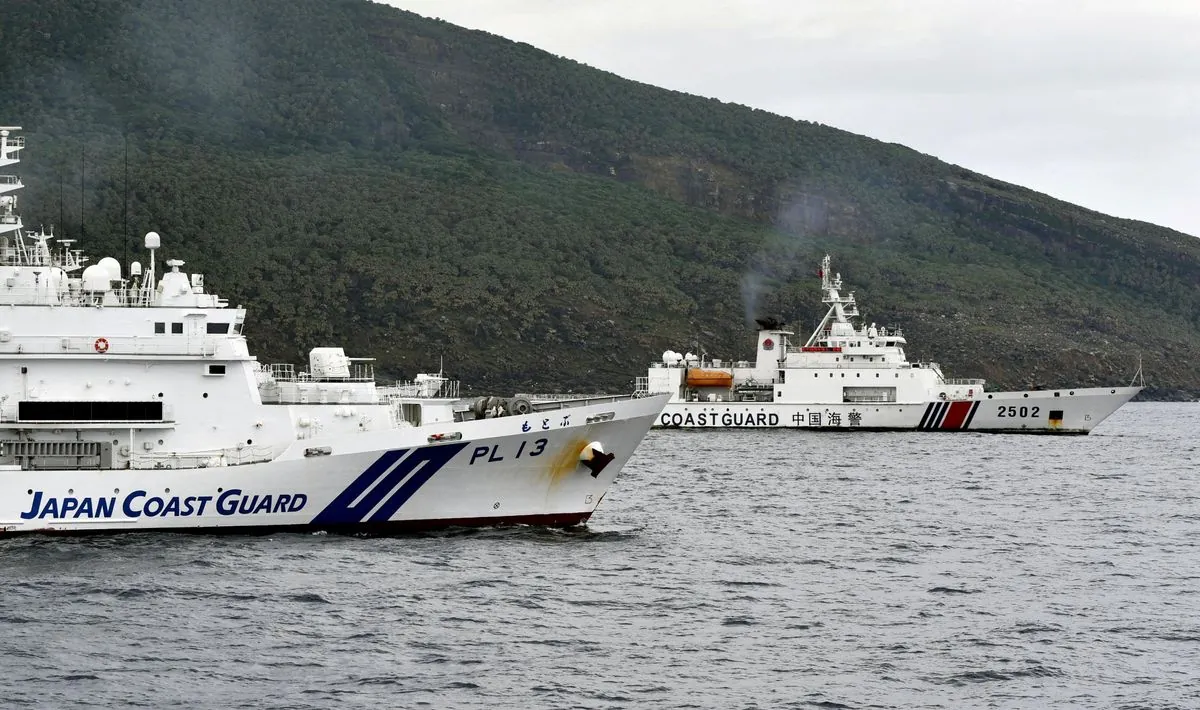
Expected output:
(153, 241)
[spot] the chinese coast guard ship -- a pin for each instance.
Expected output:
(849, 376)
(132, 404)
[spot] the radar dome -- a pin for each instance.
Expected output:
(135, 269)
(152, 240)
(95, 278)
(112, 266)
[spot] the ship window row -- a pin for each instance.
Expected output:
(859, 343)
(177, 328)
(42, 411)
(857, 374)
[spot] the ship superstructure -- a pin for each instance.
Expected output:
(129, 400)
(849, 375)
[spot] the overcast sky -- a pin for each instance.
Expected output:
(1092, 101)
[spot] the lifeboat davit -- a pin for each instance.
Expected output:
(709, 378)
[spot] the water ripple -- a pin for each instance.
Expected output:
(790, 570)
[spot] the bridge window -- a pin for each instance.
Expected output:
(216, 369)
(218, 328)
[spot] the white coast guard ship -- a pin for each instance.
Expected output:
(133, 404)
(848, 376)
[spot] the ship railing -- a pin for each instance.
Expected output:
(43, 296)
(279, 371)
(544, 402)
(14, 142)
(426, 389)
(969, 382)
(559, 396)
(868, 398)
(211, 458)
(317, 392)
(107, 345)
(286, 372)
(10, 180)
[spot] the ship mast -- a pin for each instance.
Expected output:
(26, 248)
(10, 221)
(841, 308)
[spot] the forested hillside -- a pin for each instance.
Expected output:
(357, 174)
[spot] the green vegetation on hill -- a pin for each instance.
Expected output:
(361, 175)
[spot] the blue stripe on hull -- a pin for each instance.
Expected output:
(368, 490)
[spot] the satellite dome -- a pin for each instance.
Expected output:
(95, 278)
(152, 240)
(112, 266)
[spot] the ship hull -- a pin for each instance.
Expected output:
(508, 470)
(1067, 411)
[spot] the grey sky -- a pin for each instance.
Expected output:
(1092, 101)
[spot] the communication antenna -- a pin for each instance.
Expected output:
(82, 187)
(125, 233)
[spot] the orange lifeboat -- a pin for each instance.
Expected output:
(709, 378)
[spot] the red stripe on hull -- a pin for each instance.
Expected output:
(957, 415)
(389, 527)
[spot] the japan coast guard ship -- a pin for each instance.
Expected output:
(849, 376)
(134, 404)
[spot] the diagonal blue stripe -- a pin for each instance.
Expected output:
(422, 464)
(340, 509)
